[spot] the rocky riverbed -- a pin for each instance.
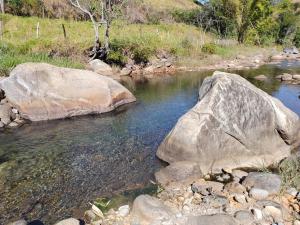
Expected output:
(255, 198)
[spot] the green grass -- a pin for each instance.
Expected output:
(172, 4)
(142, 40)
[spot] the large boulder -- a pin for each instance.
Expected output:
(233, 125)
(44, 92)
(100, 67)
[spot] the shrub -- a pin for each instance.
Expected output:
(297, 39)
(141, 54)
(209, 48)
(289, 171)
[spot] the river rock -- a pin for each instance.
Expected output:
(235, 187)
(296, 77)
(258, 194)
(5, 113)
(291, 50)
(100, 67)
(149, 210)
(286, 77)
(265, 181)
(123, 210)
(19, 222)
(261, 78)
(233, 125)
(44, 92)
(275, 212)
(207, 187)
(70, 221)
(179, 171)
(244, 217)
(218, 219)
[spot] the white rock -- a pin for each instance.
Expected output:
(240, 198)
(296, 222)
(257, 213)
(15, 111)
(258, 194)
(19, 222)
(273, 211)
(100, 67)
(123, 210)
(70, 221)
(44, 92)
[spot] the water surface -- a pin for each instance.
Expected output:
(50, 170)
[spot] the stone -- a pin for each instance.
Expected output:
(261, 78)
(123, 211)
(15, 111)
(148, 210)
(265, 181)
(244, 217)
(2, 124)
(100, 67)
(291, 50)
(179, 171)
(215, 201)
(258, 194)
(286, 77)
(279, 77)
(5, 113)
(297, 222)
(292, 191)
(19, 222)
(296, 77)
(240, 198)
(125, 72)
(90, 216)
(207, 187)
(274, 212)
(217, 219)
(13, 125)
(2, 94)
(239, 174)
(257, 213)
(279, 57)
(235, 187)
(232, 118)
(44, 92)
(70, 221)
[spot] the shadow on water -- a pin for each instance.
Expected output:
(49, 170)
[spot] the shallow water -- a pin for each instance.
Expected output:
(50, 170)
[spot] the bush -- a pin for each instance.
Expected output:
(209, 48)
(141, 54)
(289, 171)
(186, 16)
(297, 39)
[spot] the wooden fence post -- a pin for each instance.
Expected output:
(38, 30)
(1, 30)
(64, 30)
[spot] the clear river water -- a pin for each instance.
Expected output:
(51, 170)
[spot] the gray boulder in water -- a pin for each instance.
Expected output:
(43, 92)
(233, 125)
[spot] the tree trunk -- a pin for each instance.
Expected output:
(2, 6)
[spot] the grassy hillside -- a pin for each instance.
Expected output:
(172, 4)
(20, 42)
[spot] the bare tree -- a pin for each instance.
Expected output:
(2, 6)
(100, 13)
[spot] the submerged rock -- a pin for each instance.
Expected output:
(233, 125)
(41, 91)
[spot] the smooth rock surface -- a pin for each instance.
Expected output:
(19, 222)
(70, 221)
(265, 181)
(261, 78)
(44, 92)
(258, 194)
(100, 67)
(218, 219)
(244, 217)
(179, 171)
(233, 125)
(5, 113)
(148, 210)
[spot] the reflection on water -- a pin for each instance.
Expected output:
(49, 170)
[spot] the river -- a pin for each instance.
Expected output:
(51, 170)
